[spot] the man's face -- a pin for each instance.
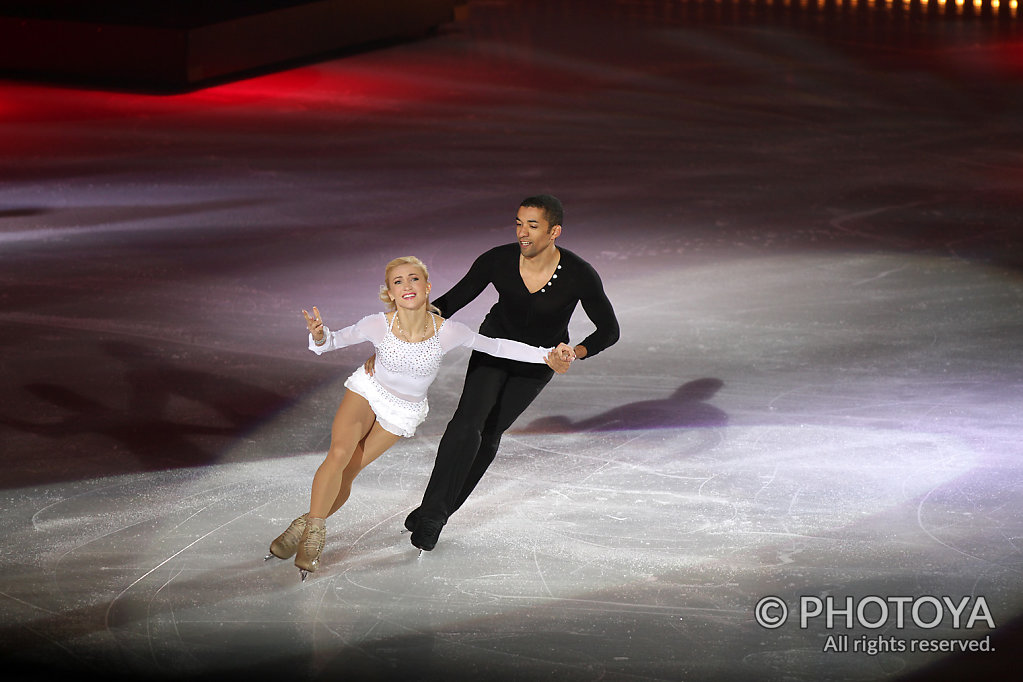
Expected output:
(533, 231)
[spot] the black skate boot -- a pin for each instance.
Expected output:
(426, 534)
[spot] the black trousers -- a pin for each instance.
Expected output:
(495, 393)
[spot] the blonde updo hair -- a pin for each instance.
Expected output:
(404, 260)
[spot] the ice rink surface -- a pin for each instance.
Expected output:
(811, 233)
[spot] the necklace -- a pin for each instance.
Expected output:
(408, 335)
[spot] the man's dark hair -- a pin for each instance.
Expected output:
(553, 213)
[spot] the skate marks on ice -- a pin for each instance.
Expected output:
(573, 542)
(125, 564)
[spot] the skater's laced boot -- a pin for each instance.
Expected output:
(427, 533)
(412, 520)
(309, 548)
(286, 544)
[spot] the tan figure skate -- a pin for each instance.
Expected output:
(286, 544)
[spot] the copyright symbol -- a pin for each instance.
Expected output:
(771, 612)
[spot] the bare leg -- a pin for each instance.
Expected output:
(376, 443)
(356, 440)
(352, 423)
(355, 436)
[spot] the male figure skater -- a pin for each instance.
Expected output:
(538, 285)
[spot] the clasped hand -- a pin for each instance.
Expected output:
(560, 358)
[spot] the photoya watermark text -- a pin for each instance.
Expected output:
(872, 612)
(882, 644)
(893, 613)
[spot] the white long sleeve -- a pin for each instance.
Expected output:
(370, 328)
(454, 334)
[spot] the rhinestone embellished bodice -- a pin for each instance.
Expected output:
(420, 359)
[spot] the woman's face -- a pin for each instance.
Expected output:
(407, 286)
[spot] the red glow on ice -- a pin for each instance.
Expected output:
(338, 86)
(59, 118)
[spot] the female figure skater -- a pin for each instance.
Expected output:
(377, 410)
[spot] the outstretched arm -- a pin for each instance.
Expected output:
(322, 339)
(454, 334)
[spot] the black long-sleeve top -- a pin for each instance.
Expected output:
(541, 318)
